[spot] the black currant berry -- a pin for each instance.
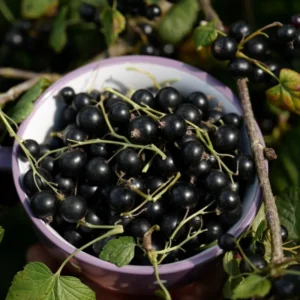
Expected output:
(240, 68)
(216, 181)
(67, 94)
(119, 113)
(153, 11)
(232, 119)
(195, 223)
(137, 183)
(90, 120)
(228, 218)
(15, 39)
(256, 48)
(257, 260)
(224, 48)
(192, 152)
(48, 164)
(91, 218)
(43, 204)
(227, 242)
(153, 183)
(81, 100)
(183, 195)
(250, 247)
(72, 163)
(73, 209)
(168, 99)
(44, 148)
(33, 183)
(194, 244)
(139, 227)
(154, 211)
(189, 112)
(286, 33)
(121, 199)
(87, 12)
(146, 28)
(99, 150)
(113, 99)
(200, 169)
(284, 233)
(172, 127)
(169, 223)
(200, 100)
(174, 256)
(296, 42)
(165, 167)
(149, 49)
(214, 231)
(87, 191)
(97, 171)
(73, 237)
(295, 20)
(33, 148)
(69, 115)
(168, 50)
(226, 138)
(228, 200)
(244, 164)
(186, 138)
(143, 97)
(64, 185)
(239, 30)
(286, 287)
(129, 162)
(213, 116)
(143, 130)
(95, 95)
(257, 75)
(74, 134)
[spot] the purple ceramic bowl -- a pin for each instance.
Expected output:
(114, 73)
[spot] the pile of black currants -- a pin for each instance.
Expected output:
(139, 160)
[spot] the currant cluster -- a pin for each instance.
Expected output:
(151, 159)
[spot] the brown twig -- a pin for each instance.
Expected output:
(210, 13)
(23, 74)
(258, 152)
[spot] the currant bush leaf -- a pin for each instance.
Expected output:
(230, 285)
(259, 224)
(230, 264)
(98, 3)
(252, 286)
(37, 282)
(113, 23)
(119, 251)
(58, 37)
(286, 95)
(33, 9)
(22, 109)
(288, 205)
(178, 22)
(204, 35)
(1, 233)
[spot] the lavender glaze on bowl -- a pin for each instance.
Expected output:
(112, 73)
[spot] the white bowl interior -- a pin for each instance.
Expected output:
(117, 76)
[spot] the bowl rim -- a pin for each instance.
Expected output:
(87, 258)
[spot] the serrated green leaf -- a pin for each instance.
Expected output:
(178, 22)
(286, 95)
(22, 108)
(260, 230)
(37, 282)
(230, 285)
(204, 35)
(113, 23)
(34, 9)
(288, 204)
(1, 233)
(230, 264)
(259, 224)
(119, 251)
(252, 286)
(58, 37)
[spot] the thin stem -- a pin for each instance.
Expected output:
(210, 13)
(23, 74)
(6, 12)
(245, 257)
(162, 186)
(89, 225)
(151, 76)
(118, 229)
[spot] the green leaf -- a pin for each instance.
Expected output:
(119, 251)
(230, 285)
(204, 35)
(178, 22)
(37, 282)
(252, 286)
(113, 23)
(98, 3)
(34, 9)
(288, 204)
(58, 37)
(1, 233)
(259, 224)
(230, 264)
(22, 109)
(286, 95)
(260, 230)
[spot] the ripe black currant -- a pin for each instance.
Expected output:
(154, 211)
(245, 165)
(153, 183)
(286, 33)
(284, 233)
(99, 150)
(73, 237)
(90, 120)
(73, 209)
(172, 127)
(143, 97)
(146, 28)
(174, 256)
(44, 148)
(137, 183)
(192, 152)
(97, 171)
(214, 231)
(74, 134)
(69, 115)
(33, 183)
(169, 223)
(112, 99)
(295, 20)
(240, 68)
(216, 181)
(165, 167)
(168, 99)
(227, 242)
(119, 113)
(139, 227)
(257, 75)
(186, 138)
(149, 49)
(228, 218)
(256, 48)
(257, 260)
(189, 112)
(48, 164)
(168, 50)
(224, 48)
(95, 95)
(91, 218)
(200, 100)
(214, 116)
(43, 204)
(129, 162)
(121, 199)
(232, 119)
(195, 223)
(228, 200)
(143, 130)
(200, 169)
(226, 138)
(239, 30)
(67, 94)
(153, 11)
(183, 195)
(87, 191)
(33, 148)
(87, 12)
(71, 163)
(64, 185)
(81, 100)
(98, 246)
(15, 39)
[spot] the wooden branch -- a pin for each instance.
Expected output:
(23, 74)
(210, 13)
